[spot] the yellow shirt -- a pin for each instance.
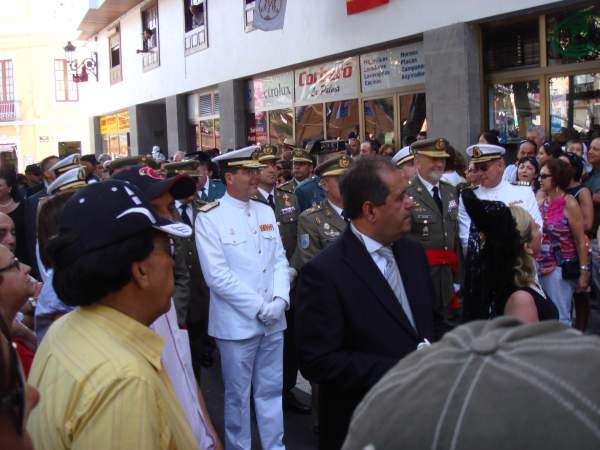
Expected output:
(103, 386)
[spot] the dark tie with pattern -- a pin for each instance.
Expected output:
(184, 214)
(437, 199)
(271, 202)
(203, 195)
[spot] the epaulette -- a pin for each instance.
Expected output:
(208, 206)
(521, 183)
(260, 200)
(311, 210)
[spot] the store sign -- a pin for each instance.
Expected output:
(393, 68)
(115, 123)
(272, 92)
(330, 81)
(43, 138)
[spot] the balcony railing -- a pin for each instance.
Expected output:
(8, 111)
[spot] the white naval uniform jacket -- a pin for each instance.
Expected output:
(244, 264)
(504, 192)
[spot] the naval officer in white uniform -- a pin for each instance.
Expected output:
(244, 264)
(488, 162)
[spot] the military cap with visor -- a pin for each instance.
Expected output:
(333, 167)
(267, 152)
(189, 167)
(484, 152)
(246, 158)
(402, 156)
(70, 180)
(434, 148)
(67, 163)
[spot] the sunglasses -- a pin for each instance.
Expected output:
(13, 403)
(13, 265)
(543, 176)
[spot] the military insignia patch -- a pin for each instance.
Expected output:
(304, 241)
(477, 152)
(266, 227)
(344, 162)
(440, 145)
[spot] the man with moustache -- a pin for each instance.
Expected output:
(435, 217)
(366, 300)
(244, 264)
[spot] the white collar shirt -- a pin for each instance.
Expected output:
(188, 211)
(372, 247)
(428, 185)
(266, 194)
(336, 209)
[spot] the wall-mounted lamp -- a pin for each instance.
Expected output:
(87, 65)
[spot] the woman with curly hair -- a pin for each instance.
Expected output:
(510, 239)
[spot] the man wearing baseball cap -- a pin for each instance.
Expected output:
(100, 366)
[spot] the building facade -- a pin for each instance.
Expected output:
(195, 74)
(40, 108)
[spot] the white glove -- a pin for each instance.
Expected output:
(270, 312)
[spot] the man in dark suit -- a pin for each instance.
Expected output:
(366, 300)
(31, 207)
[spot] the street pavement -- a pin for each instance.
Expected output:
(298, 428)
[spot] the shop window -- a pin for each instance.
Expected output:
(207, 131)
(249, 15)
(196, 28)
(309, 124)
(575, 106)
(257, 128)
(412, 115)
(514, 107)
(114, 49)
(65, 89)
(341, 119)
(150, 39)
(281, 125)
(510, 46)
(379, 120)
(573, 36)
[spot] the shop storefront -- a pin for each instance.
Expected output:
(114, 129)
(544, 70)
(204, 120)
(378, 95)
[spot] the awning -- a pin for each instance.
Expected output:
(98, 18)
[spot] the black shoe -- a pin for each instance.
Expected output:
(206, 360)
(291, 403)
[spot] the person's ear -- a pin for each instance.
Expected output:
(527, 248)
(140, 274)
(368, 212)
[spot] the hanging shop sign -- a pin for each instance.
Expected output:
(271, 92)
(393, 68)
(337, 80)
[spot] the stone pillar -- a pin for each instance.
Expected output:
(133, 131)
(95, 136)
(177, 125)
(453, 86)
(233, 114)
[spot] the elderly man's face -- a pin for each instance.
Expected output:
(393, 218)
(366, 149)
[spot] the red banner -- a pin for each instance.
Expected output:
(357, 6)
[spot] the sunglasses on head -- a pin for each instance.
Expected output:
(13, 402)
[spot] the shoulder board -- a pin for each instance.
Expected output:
(286, 187)
(283, 190)
(208, 206)
(312, 210)
(260, 200)
(445, 183)
(521, 183)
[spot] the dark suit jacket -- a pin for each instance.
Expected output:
(31, 207)
(351, 328)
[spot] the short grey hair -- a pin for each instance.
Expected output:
(538, 129)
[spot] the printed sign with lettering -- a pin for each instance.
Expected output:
(330, 81)
(392, 68)
(272, 92)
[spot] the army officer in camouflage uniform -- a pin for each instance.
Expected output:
(435, 217)
(322, 224)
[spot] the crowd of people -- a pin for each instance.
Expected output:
(367, 269)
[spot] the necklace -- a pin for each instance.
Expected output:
(4, 205)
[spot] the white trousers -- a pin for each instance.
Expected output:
(255, 363)
(560, 292)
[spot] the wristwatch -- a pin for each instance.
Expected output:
(584, 267)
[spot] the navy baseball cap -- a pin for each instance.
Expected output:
(109, 212)
(153, 184)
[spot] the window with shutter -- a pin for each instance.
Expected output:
(515, 45)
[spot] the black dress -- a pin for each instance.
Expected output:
(545, 307)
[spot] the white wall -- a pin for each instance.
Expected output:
(313, 29)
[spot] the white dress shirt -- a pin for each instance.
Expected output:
(266, 194)
(177, 359)
(206, 187)
(336, 209)
(372, 247)
(188, 211)
(429, 186)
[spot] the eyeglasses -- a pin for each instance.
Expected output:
(13, 402)
(13, 265)
(543, 176)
